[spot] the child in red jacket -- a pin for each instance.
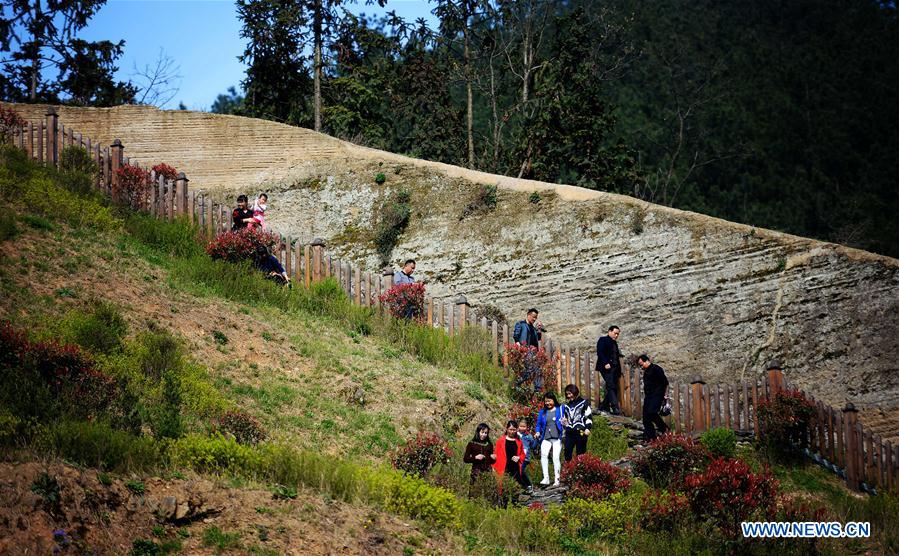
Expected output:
(510, 456)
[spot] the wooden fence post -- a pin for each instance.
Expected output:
(462, 303)
(698, 410)
(29, 142)
(625, 385)
(52, 136)
(850, 419)
(775, 379)
(116, 151)
(318, 245)
(181, 188)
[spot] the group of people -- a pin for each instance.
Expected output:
(243, 217)
(529, 331)
(568, 425)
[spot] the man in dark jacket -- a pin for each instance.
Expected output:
(655, 386)
(608, 364)
(526, 333)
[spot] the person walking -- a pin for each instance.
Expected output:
(549, 431)
(577, 419)
(510, 456)
(528, 331)
(479, 452)
(404, 276)
(655, 386)
(608, 364)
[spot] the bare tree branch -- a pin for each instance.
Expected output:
(159, 82)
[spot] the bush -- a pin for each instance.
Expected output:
(591, 478)
(45, 380)
(484, 201)
(42, 190)
(243, 428)
(380, 178)
(10, 123)
(532, 370)
(100, 330)
(784, 421)
(215, 454)
(166, 171)
(405, 301)
(133, 187)
(8, 227)
(393, 218)
(670, 458)
(579, 518)
(534, 198)
(98, 445)
(497, 491)
(420, 454)
(78, 170)
(240, 245)
(721, 443)
(728, 492)
(664, 511)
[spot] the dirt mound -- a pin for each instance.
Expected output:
(101, 514)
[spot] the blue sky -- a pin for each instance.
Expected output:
(201, 36)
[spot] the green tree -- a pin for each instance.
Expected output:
(37, 37)
(568, 137)
(230, 103)
(278, 84)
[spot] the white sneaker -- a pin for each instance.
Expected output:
(545, 482)
(555, 484)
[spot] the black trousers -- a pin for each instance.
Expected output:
(653, 424)
(521, 477)
(574, 440)
(610, 400)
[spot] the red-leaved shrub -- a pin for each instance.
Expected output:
(239, 245)
(663, 511)
(728, 492)
(669, 458)
(163, 169)
(532, 370)
(57, 378)
(420, 454)
(244, 428)
(784, 420)
(10, 122)
(133, 186)
(405, 301)
(591, 478)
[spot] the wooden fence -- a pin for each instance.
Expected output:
(836, 439)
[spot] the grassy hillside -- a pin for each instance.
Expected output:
(186, 342)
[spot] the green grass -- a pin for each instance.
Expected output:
(221, 540)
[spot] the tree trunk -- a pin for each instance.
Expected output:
(36, 62)
(470, 101)
(317, 70)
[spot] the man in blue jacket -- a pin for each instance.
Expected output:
(526, 333)
(608, 364)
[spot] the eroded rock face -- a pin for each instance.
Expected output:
(699, 294)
